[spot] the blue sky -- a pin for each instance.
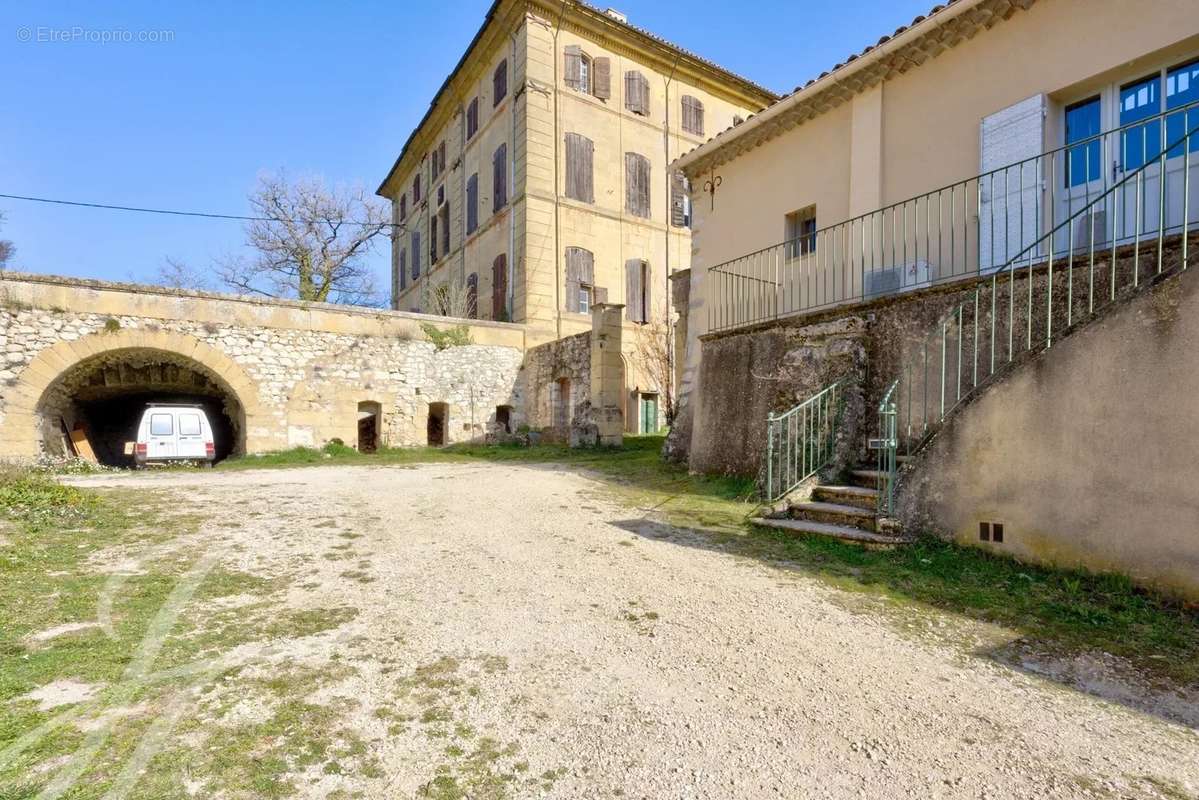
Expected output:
(331, 89)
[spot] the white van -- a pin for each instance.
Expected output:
(171, 432)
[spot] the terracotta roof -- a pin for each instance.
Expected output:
(831, 75)
(775, 97)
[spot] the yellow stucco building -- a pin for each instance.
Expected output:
(538, 184)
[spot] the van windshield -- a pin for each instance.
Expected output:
(161, 425)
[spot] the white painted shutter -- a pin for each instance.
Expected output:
(1007, 221)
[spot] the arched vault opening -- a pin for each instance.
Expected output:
(106, 393)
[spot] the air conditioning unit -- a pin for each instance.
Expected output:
(1082, 229)
(901, 278)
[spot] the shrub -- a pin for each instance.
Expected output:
(457, 336)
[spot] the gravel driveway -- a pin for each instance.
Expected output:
(513, 631)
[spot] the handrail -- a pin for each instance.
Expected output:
(888, 452)
(947, 234)
(919, 399)
(800, 441)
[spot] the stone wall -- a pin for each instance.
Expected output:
(1086, 454)
(546, 366)
(294, 373)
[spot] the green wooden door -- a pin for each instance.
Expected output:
(649, 413)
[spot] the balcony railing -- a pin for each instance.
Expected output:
(972, 227)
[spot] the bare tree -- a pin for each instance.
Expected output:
(7, 251)
(451, 299)
(311, 244)
(652, 355)
(178, 274)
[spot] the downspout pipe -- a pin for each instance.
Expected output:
(510, 300)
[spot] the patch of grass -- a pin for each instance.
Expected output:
(309, 622)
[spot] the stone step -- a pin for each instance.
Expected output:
(847, 495)
(866, 478)
(843, 532)
(833, 513)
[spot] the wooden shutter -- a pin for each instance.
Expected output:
(636, 173)
(579, 168)
(499, 83)
(472, 295)
(472, 117)
(403, 270)
(646, 285)
(416, 189)
(601, 79)
(445, 229)
(572, 279)
(636, 93)
(499, 178)
(403, 206)
(678, 200)
(499, 285)
(415, 255)
(432, 239)
(632, 290)
(693, 115)
(573, 74)
(472, 203)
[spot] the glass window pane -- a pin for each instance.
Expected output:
(1182, 88)
(1140, 143)
(189, 424)
(1082, 162)
(161, 425)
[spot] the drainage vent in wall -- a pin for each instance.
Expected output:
(990, 531)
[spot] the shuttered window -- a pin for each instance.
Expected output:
(472, 203)
(416, 189)
(472, 117)
(444, 213)
(499, 178)
(579, 168)
(636, 179)
(637, 290)
(403, 206)
(680, 200)
(438, 159)
(636, 93)
(499, 83)
(415, 255)
(580, 279)
(472, 295)
(499, 287)
(693, 115)
(403, 270)
(432, 240)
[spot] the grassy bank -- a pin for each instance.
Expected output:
(1062, 611)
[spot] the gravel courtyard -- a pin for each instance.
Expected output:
(513, 631)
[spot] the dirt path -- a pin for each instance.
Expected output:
(504, 631)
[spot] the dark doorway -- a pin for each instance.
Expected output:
(439, 420)
(369, 415)
(503, 419)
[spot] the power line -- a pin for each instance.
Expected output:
(177, 213)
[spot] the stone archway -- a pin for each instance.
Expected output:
(74, 378)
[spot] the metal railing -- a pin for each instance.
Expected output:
(1059, 286)
(888, 453)
(801, 441)
(969, 228)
